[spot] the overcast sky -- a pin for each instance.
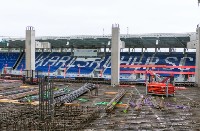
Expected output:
(89, 17)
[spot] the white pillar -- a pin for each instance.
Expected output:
(30, 48)
(197, 70)
(115, 55)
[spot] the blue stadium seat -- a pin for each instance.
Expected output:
(8, 58)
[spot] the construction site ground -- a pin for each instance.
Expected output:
(179, 112)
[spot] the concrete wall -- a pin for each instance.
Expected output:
(115, 55)
(30, 48)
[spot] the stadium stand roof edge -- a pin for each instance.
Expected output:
(150, 40)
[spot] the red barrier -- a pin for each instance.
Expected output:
(155, 66)
(158, 72)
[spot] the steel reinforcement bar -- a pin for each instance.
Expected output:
(114, 101)
(75, 94)
(66, 118)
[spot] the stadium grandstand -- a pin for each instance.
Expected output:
(90, 56)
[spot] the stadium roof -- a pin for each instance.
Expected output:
(159, 40)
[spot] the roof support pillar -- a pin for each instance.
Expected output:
(156, 49)
(20, 50)
(72, 49)
(61, 49)
(104, 50)
(197, 69)
(30, 49)
(170, 50)
(115, 55)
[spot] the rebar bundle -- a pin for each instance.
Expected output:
(75, 94)
(114, 101)
(46, 105)
(57, 93)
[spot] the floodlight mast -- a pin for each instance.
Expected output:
(198, 2)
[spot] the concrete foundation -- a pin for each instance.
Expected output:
(115, 55)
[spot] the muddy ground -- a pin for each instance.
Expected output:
(179, 112)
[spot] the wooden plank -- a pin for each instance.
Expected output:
(114, 93)
(72, 104)
(126, 85)
(26, 86)
(9, 101)
(34, 103)
(121, 105)
(110, 93)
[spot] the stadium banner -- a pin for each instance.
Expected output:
(85, 52)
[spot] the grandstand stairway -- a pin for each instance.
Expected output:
(140, 61)
(182, 61)
(70, 63)
(151, 60)
(38, 56)
(22, 54)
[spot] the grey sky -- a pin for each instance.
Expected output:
(89, 17)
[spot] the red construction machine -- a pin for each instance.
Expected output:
(160, 85)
